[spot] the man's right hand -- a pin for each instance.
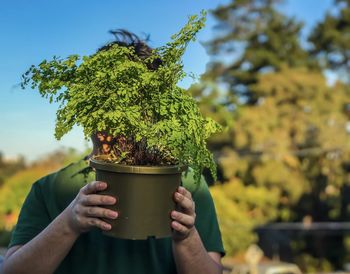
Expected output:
(85, 211)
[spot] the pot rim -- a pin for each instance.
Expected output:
(121, 168)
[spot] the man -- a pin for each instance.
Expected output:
(60, 224)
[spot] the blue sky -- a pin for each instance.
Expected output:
(35, 30)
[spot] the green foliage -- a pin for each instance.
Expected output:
(331, 42)
(293, 142)
(240, 209)
(258, 38)
(114, 91)
(287, 131)
(310, 264)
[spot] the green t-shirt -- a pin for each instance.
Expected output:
(96, 253)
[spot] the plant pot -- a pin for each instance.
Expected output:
(144, 198)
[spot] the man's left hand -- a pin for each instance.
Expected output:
(185, 215)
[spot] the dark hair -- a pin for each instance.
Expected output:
(125, 38)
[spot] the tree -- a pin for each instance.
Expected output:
(292, 147)
(287, 137)
(331, 41)
(258, 38)
(254, 38)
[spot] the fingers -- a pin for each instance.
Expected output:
(184, 199)
(181, 232)
(96, 199)
(179, 228)
(99, 212)
(87, 211)
(93, 187)
(184, 219)
(94, 222)
(185, 192)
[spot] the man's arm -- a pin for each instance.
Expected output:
(189, 252)
(45, 252)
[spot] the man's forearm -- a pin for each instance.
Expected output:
(45, 252)
(191, 257)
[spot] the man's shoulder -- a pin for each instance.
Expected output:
(62, 186)
(69, 172)
(190, 183)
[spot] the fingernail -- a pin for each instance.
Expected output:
(173, 214)
(178, 195)
(113, 214)
(107, 226)
(112, 200)
(102, 185)
(175, 225)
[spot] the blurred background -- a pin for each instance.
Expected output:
(275, 73)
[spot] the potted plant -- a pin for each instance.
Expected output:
(157, 127)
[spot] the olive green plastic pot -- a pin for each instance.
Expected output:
(144, 198)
